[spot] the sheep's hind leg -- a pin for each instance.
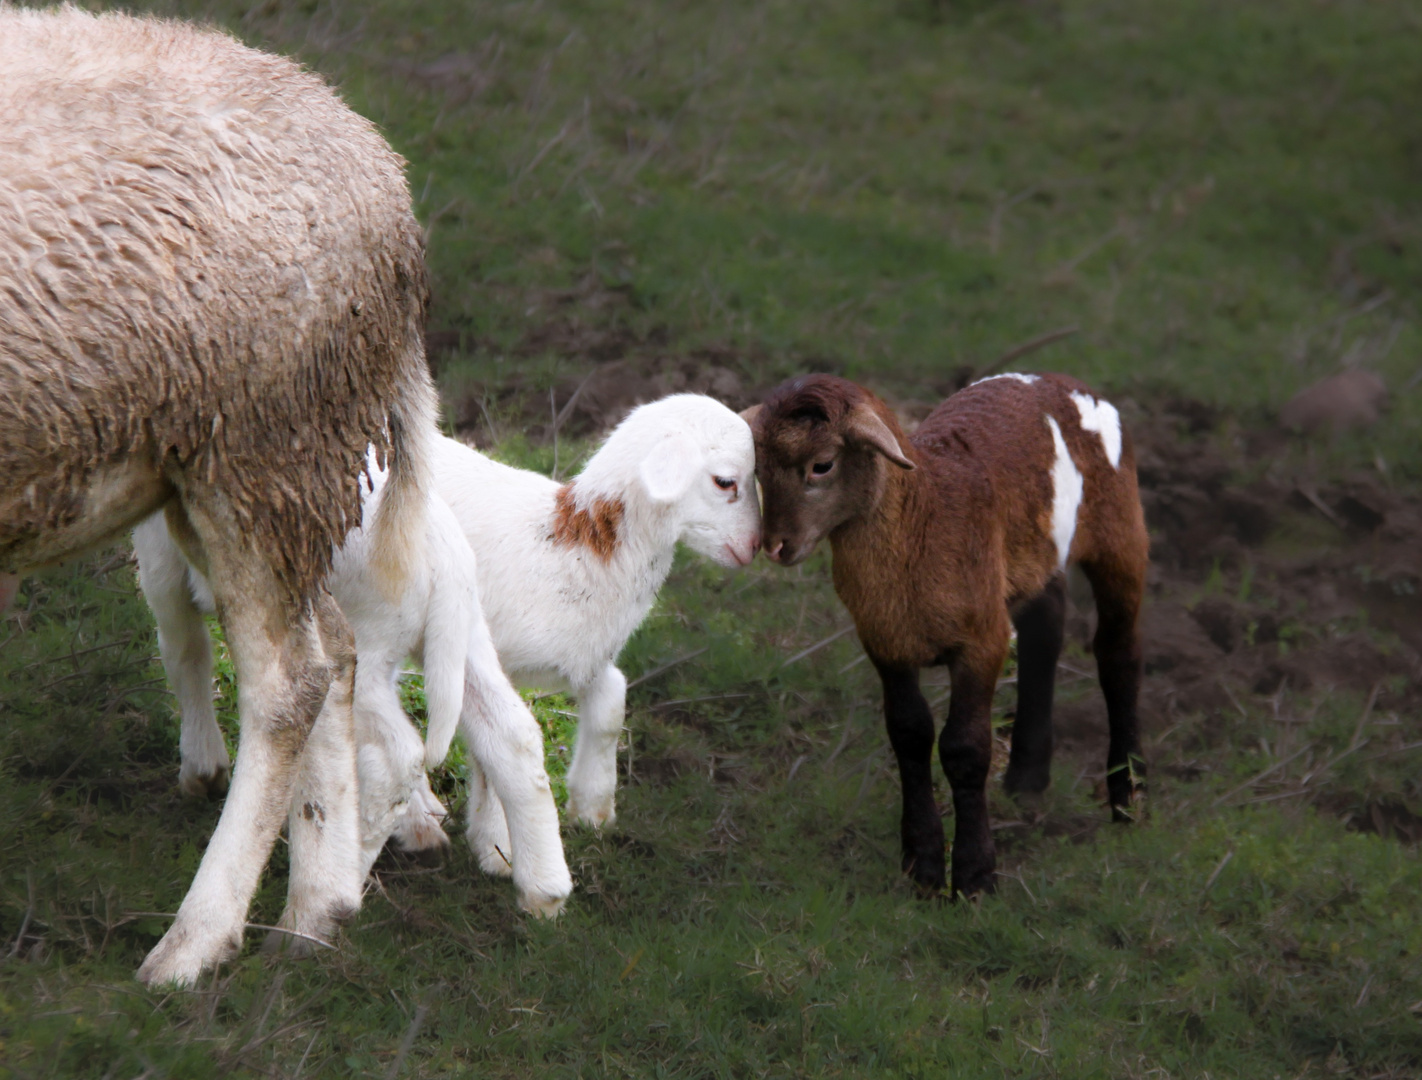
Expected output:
(327, 874)
(910, 724)
(186, 649)
(283, 675)
(965, 748)
(592, 777)
(1119, 588)
(1040, 626)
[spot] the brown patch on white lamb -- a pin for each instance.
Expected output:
(593, 527)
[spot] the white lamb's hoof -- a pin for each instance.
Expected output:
(493, 859)
(181, 957)
(204, 782)
(543, 906)
(594, 812)
(319, 926)
(421, 833)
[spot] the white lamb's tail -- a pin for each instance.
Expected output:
(451, 621)
(399, 526)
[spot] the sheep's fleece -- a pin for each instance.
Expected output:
(212, 293)
(180, 218)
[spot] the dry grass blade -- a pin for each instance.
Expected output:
(1363, 720)
(640, 679)
(1270, 771)
(1219, 869)
(1029, 346)
(411, 1033)
(817, 646)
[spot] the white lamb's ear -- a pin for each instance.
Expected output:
(671, 468)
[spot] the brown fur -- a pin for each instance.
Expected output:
(593, 527)
(942, 541)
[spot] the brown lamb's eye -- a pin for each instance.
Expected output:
(725, 483)
(822, 468)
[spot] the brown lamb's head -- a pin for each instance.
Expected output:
(822, 445)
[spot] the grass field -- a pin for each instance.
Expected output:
(1222, 199)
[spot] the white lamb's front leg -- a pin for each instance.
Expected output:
(504, 738)
(592, 777)
(391, 759)
(186, 649)
(488, 832)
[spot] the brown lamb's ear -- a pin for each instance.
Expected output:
(752, 414)
(865, 426)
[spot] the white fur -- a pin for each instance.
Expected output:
(559, 615)
(1067, 486)
(438, 619)
(1101, 417)
(1028, 379)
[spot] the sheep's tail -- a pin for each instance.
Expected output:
(399, 526)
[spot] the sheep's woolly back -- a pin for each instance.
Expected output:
(208, 260)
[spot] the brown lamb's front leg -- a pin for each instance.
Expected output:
(965, 748)
(910, 724)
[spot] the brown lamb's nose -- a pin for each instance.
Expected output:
(775, 551)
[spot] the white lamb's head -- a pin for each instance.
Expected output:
(694, 459)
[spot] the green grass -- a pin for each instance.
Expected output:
(1216, 194)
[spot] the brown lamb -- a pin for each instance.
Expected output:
(942, 544)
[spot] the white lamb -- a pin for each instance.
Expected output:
(438, 620)
(569, 572)
(572, 570)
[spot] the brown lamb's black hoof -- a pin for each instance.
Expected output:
(1024, 783)
(1132, 811)
(974, 886)
(928, 877)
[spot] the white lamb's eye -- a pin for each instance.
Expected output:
(725, 483)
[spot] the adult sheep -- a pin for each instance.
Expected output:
(211, 300)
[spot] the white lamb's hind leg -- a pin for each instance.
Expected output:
(186, 649)
(391, 761)
(326, 879)
(420, 830)
(505, 739)
(488, 832)
(592, 777)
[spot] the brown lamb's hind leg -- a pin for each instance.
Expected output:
(1119, 586)
(965, 748)
(910, 724)
(1040, 626)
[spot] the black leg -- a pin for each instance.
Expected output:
(910, 725)
(1119, 591)
(965, 748)
(1040, 622)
